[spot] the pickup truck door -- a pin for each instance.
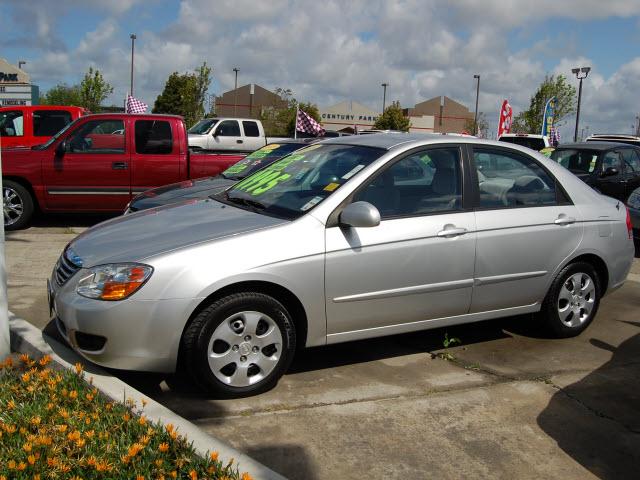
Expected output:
(253, 137)
(158, 156)
(226, 136)
(90, 170)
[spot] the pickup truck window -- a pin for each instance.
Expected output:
(251, 129)
(11, 124)
(203, 126)
(98, 136)
(228, 128)
(153, 137)
(49, 122)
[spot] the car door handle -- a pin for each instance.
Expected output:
(119, 165)
(564, 220)
(452, 232)
(238, 141)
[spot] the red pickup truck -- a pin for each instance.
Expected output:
(98, 162)
(28, 125)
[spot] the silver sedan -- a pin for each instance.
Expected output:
(354, 238)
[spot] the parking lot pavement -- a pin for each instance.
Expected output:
(508, 403)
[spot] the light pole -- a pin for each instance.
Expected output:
(235, 101)
(384, 95)
(133, 39)
(20, 63)
(580, 73)
(475, 117)
(638, 126)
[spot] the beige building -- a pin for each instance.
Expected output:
(345, 115)
(449, 115)
(15, 86)
(248, 101)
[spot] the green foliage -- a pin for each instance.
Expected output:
(530, 121)
(281, 122)
(483, 125)
(184, 94)
(393, 119)
(62, 94)
(94, 89)
(447, 342)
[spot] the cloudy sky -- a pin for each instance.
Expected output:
(330, 51)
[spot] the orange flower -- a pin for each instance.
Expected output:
(126, 417)
(78, 367)
(193, 475)
(73, 394)
(174, 474)
(159, 462)
(169, 427)
(26, 447)
(89, 434)
(89, 396)
(45, 360)
(135, 449)
(8, 362)
(36, 420)
(140, 477)
(80, 443)
(22, 466)
(11, 404)
(163, 447)
(246, 476)
(213, 456)
(145, 439)
(25, 358)
(31, 459)
(91, 461)
(11, 464)
(26, 377)
(142, 420)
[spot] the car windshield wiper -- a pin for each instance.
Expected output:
(247, 202)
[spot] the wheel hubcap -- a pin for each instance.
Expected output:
(576, 299)
(12, 205)
(244, 349)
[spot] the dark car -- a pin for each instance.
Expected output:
(202, 188)
(611, 168)
(634, 210)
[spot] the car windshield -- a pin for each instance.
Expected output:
(298, 182)
(55, 137)
(260, 159)
(203, 126)
(529, 142)
(579, 161)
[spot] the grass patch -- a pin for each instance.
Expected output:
(56, 425)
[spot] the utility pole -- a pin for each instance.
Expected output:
(475, 117)
(580, 73)
(235, 101)
(384, 95)
(133, 39)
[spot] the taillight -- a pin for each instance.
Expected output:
(629, 224)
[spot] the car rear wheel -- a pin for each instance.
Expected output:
(240, 345)
(572, 301)
(17, 205)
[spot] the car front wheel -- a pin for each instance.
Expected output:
(17, 205)
(572, 301)
(239, 345)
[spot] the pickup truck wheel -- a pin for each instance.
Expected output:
(17, 205)
(240, 345)
(572, 301)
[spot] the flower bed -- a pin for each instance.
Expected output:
(55, 425)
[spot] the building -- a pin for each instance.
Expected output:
(449, 115)
(345, 115)
(248, 101)
(16, 87)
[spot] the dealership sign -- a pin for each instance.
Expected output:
(8, 77)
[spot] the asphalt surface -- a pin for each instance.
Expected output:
(509, 402)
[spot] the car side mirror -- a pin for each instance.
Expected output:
(610, 171)
(61, 148)
(360, 214)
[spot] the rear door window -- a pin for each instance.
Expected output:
(228, 128)
(251, 129)
(47, 123)
(153, 137)
(631, 160)
(11, 123)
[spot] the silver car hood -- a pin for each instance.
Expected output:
(137, 236)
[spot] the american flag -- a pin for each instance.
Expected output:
(135, 106)
(305, 123)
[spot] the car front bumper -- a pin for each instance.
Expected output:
(127, 335)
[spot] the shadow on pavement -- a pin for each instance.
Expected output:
(63, 220)
(289, 460)
(597, 419)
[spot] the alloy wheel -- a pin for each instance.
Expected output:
(13, 205)
(576, 299)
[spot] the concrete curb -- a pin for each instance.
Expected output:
(26, 338)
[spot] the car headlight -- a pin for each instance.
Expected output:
(634, 201)
(113, 282)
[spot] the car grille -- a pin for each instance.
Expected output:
(64, 269)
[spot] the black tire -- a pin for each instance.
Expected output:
(18, 205)
(221, 318)
(578, 318)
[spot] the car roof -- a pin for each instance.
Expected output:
(593, 145)
(382, 140)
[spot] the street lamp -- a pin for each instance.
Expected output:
(20, 63)
(133, 39)
(235, 101)
(475, 118)
(384, 95)
(638, 126)
(580, 73)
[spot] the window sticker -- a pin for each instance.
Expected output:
(233, 169)
(310, 203)
(352, 172)
(331, 187)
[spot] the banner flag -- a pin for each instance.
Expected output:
(549, 117)
(506, 115)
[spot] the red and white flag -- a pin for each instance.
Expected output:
(305, 123)
(506, 115)
(135, 106)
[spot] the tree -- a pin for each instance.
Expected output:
(483, 126)
(62, 94)
(281, 121)
(184, 94)
(530, 121)
(94, 89)
(393, 119)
